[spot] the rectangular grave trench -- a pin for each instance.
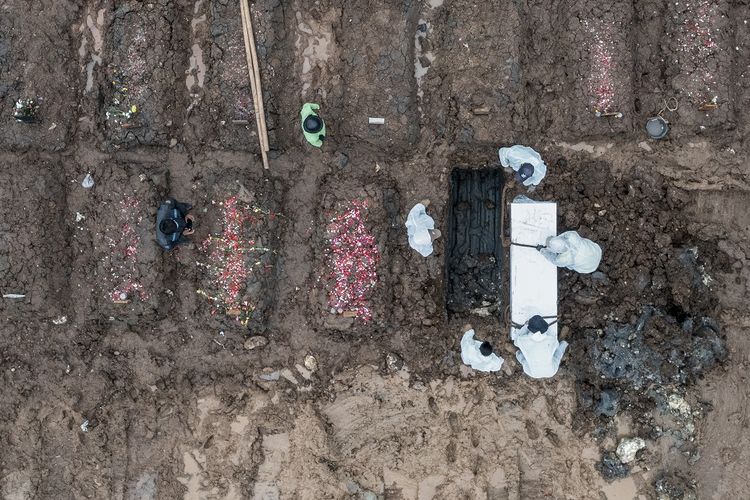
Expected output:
(474, 249)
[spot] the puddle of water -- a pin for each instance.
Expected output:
(275, 451)
(239, 425)
(622, 489)
(314, 43)
(419, 70)
(96, 55)
(196, 21)
(197, 69)
(428, 487)
(192, 471)
(205, 407)
(145, 488)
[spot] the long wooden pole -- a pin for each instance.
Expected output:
(256, 69)
(254, 76)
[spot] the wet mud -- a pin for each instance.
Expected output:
(230, 367)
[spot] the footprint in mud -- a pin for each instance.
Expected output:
(531, 430)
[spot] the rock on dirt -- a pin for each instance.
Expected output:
(394, 362)
(311, 363)
(255, 342)
(611, 467)
(628, 448)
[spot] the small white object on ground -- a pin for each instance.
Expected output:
(418, 227)
(628, 448)
(270, 376)
(88, 182)
(60, 321)
(515, 156)
(311, 363)
(540, 353)
(85, 426)
(375, 120)
(574, 252)
(14, 295)
(79, 217)
(471, 355)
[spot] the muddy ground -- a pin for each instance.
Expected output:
(221, 370)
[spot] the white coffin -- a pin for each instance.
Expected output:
(533, 279)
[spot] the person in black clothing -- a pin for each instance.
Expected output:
(173, 223)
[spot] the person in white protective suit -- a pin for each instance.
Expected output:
(527, 164)
(479, 354)
(420, 229)
(539, 352)
(571, 250)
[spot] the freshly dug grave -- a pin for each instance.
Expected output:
(642, 327)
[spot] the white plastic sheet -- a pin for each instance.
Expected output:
(88, 181)
(574, 252)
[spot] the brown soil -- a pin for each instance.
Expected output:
(157, 394)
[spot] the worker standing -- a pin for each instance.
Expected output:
(539, 352)
(312, 125)
(573, 251)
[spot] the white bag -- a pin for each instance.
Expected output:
(515, 156)
(418, 226)
(88, 182)
(472, 356)
(571, 250)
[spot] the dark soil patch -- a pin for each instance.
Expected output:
(34, 258)
(379, 74)
(460, 80)
(32, 48)
(638, 322)
(125, 271)
(474, 241)
(144, 41)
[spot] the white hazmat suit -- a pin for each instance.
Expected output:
(471, 355)
(571, 250)
(418, 226)
(540, 353)
(515, 156)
